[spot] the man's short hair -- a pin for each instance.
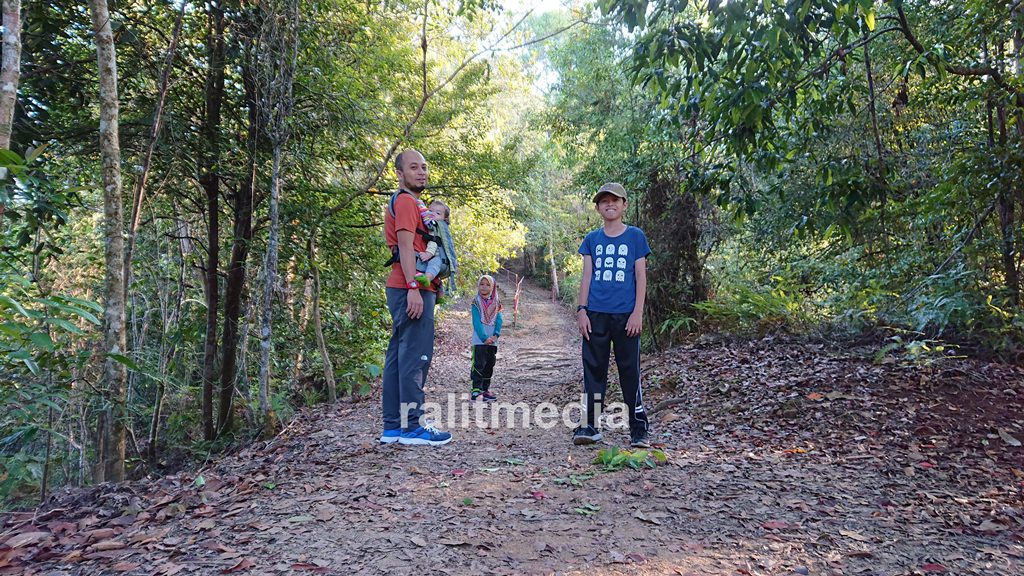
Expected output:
(398, 161)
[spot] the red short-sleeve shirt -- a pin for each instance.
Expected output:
(407, 217)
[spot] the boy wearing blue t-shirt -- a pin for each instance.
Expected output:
(610, 314)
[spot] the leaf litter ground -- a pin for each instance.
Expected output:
(784, 457)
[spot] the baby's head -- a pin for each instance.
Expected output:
(440, 210)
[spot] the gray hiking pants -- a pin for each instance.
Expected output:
(407, 360)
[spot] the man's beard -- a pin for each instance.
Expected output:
(415, 188)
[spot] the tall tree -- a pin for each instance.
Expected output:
(242, 203)
(112, 423)
(210, 178)
(281, 42)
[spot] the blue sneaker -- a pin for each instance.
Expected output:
(390, 436)
(425, 436)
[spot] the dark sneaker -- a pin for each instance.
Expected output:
(476, 395)
(425, 436)
(390, 436)
(639, 440)
(489, 397)
(583, 435)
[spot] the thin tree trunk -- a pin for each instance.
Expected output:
(281, 30)
(10, 71)
(1006, 203)
(1006, 209)
(305, 311)
(44, 483)
(241, 379)
(874, 116)
(112, 433)
(1018, 192)
(140, 184)
(210, 180)
(332, 388)
(168, 347)
(269, 279)
(234, 289)
(554, 268)
(211, 282)
(881, 177)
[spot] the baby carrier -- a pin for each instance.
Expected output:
(438, 232)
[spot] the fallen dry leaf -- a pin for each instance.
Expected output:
(1007, 438)
(26, 538)
(991, 527)
(855, 535)
(105, 545)
(243, 564)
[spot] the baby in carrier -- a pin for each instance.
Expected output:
(438, 259)
(437, 262)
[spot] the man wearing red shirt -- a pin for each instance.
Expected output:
(412, 313)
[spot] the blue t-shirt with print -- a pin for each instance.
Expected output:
(613, 284)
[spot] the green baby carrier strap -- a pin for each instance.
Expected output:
(443, 236)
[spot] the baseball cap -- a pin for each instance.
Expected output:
(613, 188)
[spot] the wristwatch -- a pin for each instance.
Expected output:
(414, 285)
(582, 307)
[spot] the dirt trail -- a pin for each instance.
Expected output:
(765, 476)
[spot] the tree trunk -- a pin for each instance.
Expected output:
(1006, 203)
(112, 432)
(10, 71)
(281, 41)
(305, 310)
(234, 290)
(244, 391)
(168, 347)
(554, 268)
(242, 203)
(210, 180)
(269, 279)
(332, 388)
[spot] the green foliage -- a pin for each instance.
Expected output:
(878, 193)
(782, 305)
(615, 458)
(576, 480)
(587, 509)
(914, 348)
(21, 471)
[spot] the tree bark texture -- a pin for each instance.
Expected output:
(10, 69)
(112, 431)
(269, 280)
